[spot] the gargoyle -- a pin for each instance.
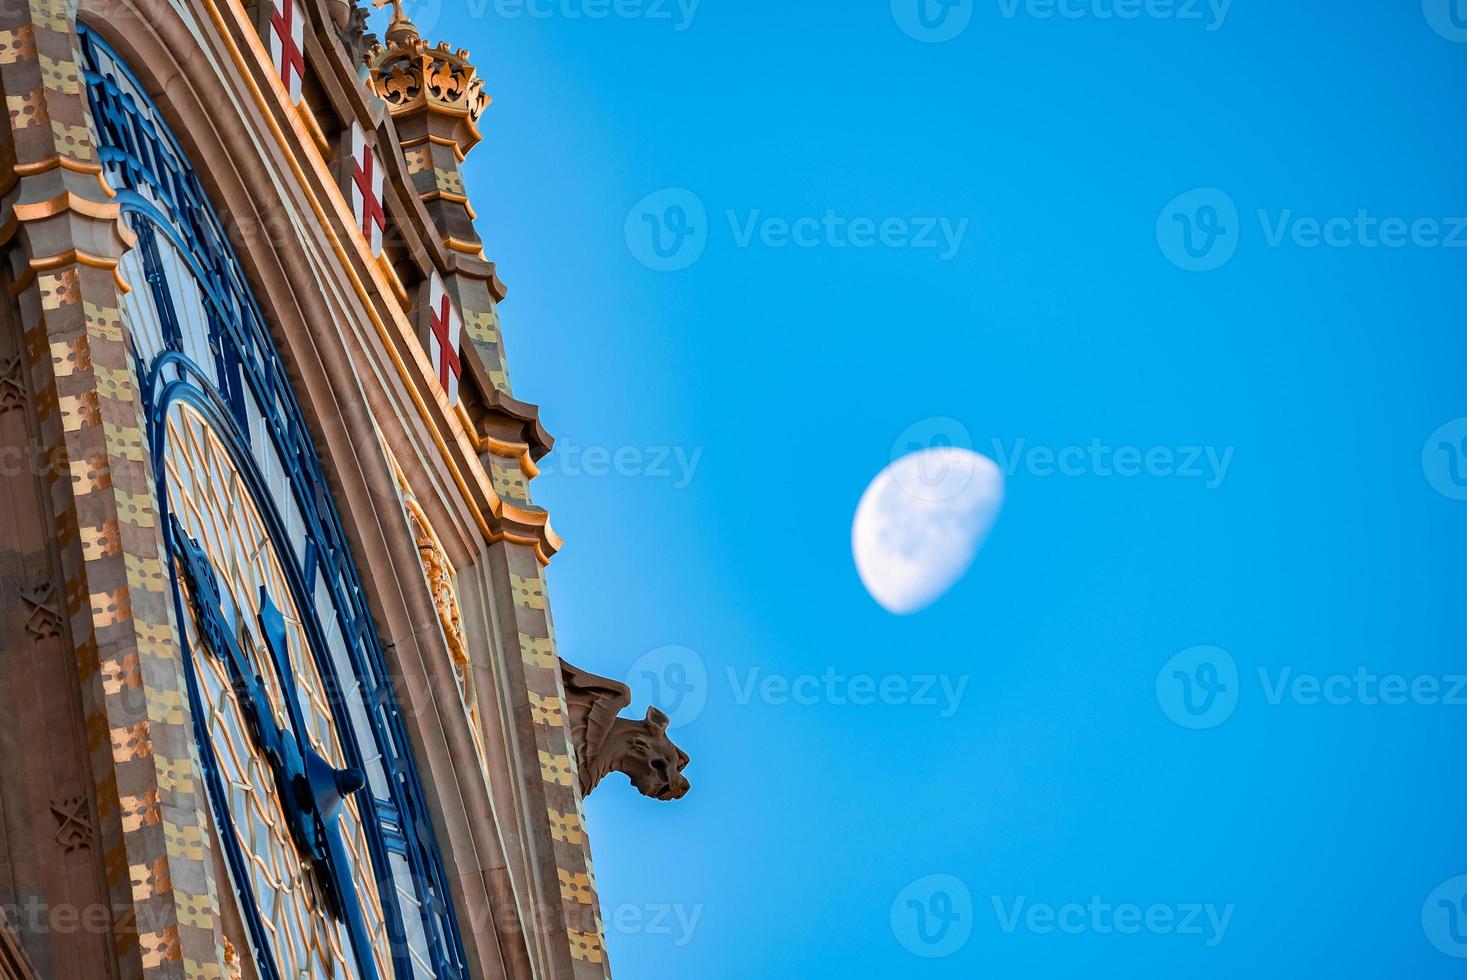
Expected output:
(606, 743)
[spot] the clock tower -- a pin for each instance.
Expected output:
(280, 693)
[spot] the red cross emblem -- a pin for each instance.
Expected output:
(444, 331)
(287, 46)
(366, 190)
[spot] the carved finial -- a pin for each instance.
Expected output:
(402, 31)
(413, 76)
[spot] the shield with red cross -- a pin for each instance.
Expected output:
(288, 45)
(445, 329)
(366, 190)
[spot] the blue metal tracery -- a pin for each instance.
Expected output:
(228, 367)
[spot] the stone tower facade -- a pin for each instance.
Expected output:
(279, 688)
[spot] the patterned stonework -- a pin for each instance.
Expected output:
(560, 780)
(101, 491)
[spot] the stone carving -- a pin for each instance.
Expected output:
(351, 23)
(438, 75)
(606, 743)
(44, 622)
(440, 580)
(232, 965)
(413, 76)
(12, 386)
(439, 574)
(75, 826)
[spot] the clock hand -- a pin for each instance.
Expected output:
(320, 793)
(312, 791)
(248, 686)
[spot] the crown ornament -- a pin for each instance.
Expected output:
(416, 78)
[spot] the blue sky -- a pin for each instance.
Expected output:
(1071, 808)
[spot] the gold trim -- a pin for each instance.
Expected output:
(439, 570)
(469, 430)
(450, 196)
(12, 177)
(518, 451)
(72, 256)
(68, 201)
(503, 448)
(393, 280)
(314, 127)
(65, 163)
(468, 248)
(541, 554)
(106, 211)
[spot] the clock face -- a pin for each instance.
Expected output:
(217, 514)
(316, 804)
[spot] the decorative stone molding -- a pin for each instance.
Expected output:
(438, 570)
(439, 573)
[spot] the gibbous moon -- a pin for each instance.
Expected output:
(920, 524)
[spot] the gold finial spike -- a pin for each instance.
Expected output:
(402, 30)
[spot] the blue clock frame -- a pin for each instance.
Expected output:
(240, 385)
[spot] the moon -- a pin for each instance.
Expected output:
(920, 524)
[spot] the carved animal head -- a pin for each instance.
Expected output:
(649, 758)
(605, 742)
